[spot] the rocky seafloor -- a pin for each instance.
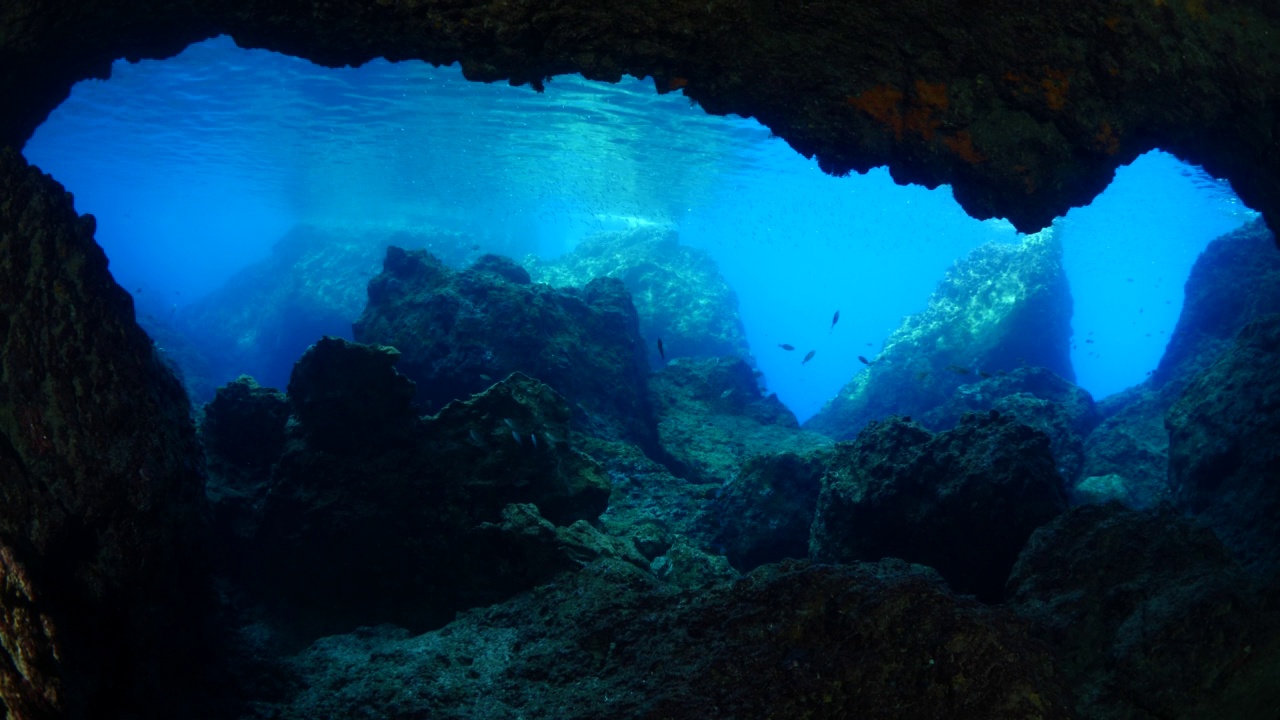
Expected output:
(487, 503)
(555, 530)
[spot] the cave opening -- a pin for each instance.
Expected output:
(196, 166)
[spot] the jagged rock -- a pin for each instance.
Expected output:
(679, 293)
(312, 284)
(1149, 617)
(1003, 307)
(963, 501)
(712, 417)
(791, 640)
(765, 514)
(458, 330)
(412, 518)
(1235, 280)
(1034, 397)
(1224, 446)
(243, 430)
(106, 602)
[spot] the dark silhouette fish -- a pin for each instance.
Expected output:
(661, 353)
(834, 319)
(808, 357)
(863, 360)
(787, 347)
(959, 370)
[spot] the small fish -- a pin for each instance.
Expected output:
(808, 357)
(834, 319)
(534, 438)
(922, 374)
(475, 437)
(985, 374)
(511, 424)
(516, 435)
(551, 439)
(1090, 341)
(863, 360)
(661, 353)
(485, 378)
(959, 370)
(726, 393)
(787, 347)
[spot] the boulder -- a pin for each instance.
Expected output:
(679, 293)
(1003, 307)
(457, 331)
(1224, 446)
(963, 501)
(1148, 616)
(794, 640)
(712, 416)
(377, 515)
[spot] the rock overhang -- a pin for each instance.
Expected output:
(1024, 114)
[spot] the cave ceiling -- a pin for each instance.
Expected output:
(1026, 109)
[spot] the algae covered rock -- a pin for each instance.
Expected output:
(794, 640)
(458, 331)
(1224, 446)
(312, 284)
(963, 501)
(678, 291)
(409, 518)
(1003, 307)
(712, 416)
(1149, 616)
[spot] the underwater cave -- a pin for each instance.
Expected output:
(772, 383)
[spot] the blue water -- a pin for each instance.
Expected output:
(195, 165)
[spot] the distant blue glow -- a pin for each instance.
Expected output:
(194, 166)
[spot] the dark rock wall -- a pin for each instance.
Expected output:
(1025, 112)
(103, 518)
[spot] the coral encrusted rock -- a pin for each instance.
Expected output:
(459, 331)
(105, 591)
(1003, 307)
(963, 501)
(679, 293)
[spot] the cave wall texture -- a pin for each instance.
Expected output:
(1026, 109)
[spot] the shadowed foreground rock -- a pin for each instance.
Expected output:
(377, 515)
(105, 599)
(1149, 617)
(795, 640)
(1002, 307)
(963, 501)
(1224, 446)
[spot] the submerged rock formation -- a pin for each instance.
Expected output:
(1224, 446)
(1235, 280)
(679, 293)
(712, 416)
(791, 640)
(963, 501)
(458, 331)
(1149, 617)
(1003, 307)
(314, 283)
(106, 601)
(375, 515)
